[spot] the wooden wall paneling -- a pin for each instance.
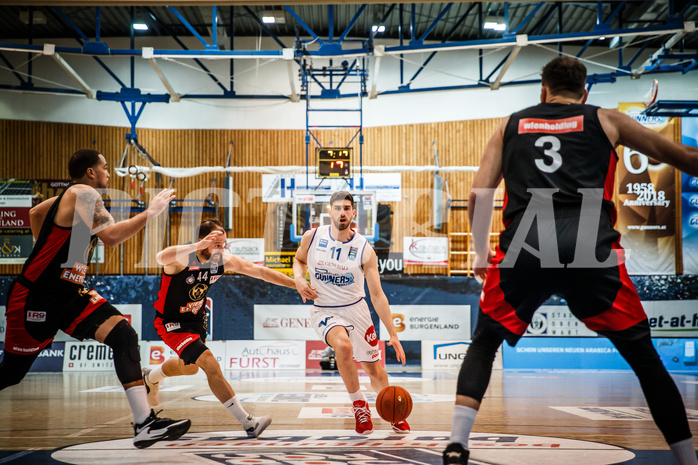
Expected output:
(40, 150)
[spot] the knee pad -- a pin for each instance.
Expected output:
(123, 341)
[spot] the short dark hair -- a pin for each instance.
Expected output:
(80, 161)
(208, 226)
(565, 76)
(342, 195)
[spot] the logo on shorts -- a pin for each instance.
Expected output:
(370, 336)
(324, 322)
(172, 326)
(191, 279)
(37, 317)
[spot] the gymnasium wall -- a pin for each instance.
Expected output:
(39, 150)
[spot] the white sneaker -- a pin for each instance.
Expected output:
(255, 425)
(151, 388)
(155, 429)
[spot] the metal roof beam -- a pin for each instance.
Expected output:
(521, 41)
(304, 25)
(528, 18)
(181, 44)
(264, 27)
(435, 22)
(12, 68)
(148, 55)
(69, 69)
(654, 59)
(191, 29)
(448, 36)
(351, 23)
(70, 23)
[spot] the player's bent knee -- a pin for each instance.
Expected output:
(123, 341)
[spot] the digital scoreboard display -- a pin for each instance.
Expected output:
(333, 162)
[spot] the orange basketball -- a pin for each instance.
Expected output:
(394, 404)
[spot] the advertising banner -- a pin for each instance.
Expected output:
(647, 201)
(558, 353)
(314, 349)
(87, 356)
(449, 355)
(672, 318)
(429, 322)
(280, 261)
(689, 202)
(427, 251)
(264, 355)
(283, 322)
(556, 321)
(251, 250)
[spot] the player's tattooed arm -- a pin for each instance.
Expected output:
(91, 207)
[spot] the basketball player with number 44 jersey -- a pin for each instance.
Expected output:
(339, 259)
(189, 271)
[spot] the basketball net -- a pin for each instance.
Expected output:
(651, 96)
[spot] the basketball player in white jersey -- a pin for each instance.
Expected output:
(339, 259)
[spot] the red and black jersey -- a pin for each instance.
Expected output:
(182, 296)
(59, 260)
(563, 149)
(556, 146)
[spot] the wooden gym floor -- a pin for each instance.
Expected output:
(531, 417)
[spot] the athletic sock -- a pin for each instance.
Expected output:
(684, 452)
(156, 375)
(462, 423)
(358, 395)
(235, 407)
(138, 400)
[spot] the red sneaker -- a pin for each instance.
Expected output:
(401, 427)
(363, 417)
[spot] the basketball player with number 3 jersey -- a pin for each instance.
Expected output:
(339, 260)
(557, 160)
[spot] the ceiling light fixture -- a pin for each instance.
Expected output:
(495, 23)
(273, 17)
(140, 26)
(378, 28)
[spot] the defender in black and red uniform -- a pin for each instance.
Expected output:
(189, 271)
(558, 162)
(50, 294)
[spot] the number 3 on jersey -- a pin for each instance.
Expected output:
(551, 148)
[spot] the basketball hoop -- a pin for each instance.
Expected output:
(651, 96)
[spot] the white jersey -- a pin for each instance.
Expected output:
(335, 268)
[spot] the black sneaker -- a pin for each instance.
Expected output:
(455, 453)
(155, 429)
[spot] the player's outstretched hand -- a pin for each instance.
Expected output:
(394, 342)
(159, 202)
(304, 288)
